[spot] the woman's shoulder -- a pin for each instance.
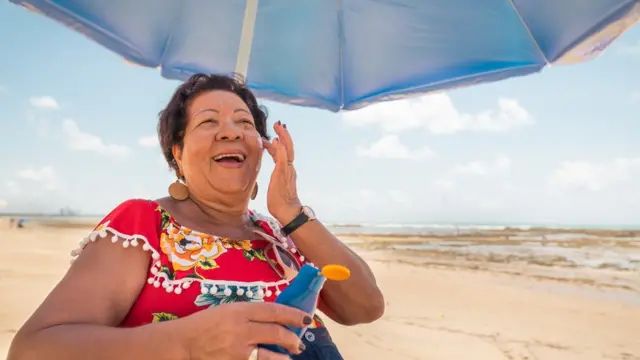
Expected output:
(133, 216)
(131, 223)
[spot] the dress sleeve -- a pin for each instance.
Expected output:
(134, 223)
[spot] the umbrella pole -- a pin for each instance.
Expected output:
(246, 37)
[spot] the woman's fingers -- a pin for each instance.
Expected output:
(285, 139)
(277, 150)
(278, 153)
(274, 334)
(271, 149)
(282, 160)
(265, 325)
(275, 313)
(264, 354)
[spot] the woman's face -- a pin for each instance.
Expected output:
(222, 149)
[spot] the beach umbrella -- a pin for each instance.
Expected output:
(346, 54)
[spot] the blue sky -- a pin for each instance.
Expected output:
(556, 147)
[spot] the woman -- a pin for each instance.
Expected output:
(194, 275)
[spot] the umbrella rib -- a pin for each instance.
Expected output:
(246, 38)
(533, 38)
(341, 46)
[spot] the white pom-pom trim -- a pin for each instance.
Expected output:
(160, 279)
(126, 240)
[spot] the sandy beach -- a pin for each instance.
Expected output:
(448, 297)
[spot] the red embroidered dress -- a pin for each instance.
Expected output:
(190, 270)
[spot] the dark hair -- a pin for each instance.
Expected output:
(173, 119)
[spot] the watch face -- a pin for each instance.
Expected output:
(309, 212)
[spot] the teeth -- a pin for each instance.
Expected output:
(238, 157)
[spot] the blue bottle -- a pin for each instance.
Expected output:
(303, 293)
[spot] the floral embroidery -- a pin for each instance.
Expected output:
(230, 294)
(255, 254)
(163, 316)
(165, 217)
(247, 248)
(187, 250)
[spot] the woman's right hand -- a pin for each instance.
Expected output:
(232, 331)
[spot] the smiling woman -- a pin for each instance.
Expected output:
(198, 267)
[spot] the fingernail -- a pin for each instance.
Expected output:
(302, 347)
(276, 140)
(284, 126)
(279, 122)
(307, 320)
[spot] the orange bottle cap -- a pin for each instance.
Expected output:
(335, 272)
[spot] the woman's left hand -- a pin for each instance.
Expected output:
(282, 195)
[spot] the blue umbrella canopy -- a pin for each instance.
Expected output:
(346, 54)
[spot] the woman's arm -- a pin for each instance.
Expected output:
(78, 318)
(354, 301)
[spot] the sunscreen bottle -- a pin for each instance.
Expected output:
(303, 293)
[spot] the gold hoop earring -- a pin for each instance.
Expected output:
(179, 191)
(254, 192)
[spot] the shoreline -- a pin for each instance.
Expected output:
(457, 229)
(617, 250)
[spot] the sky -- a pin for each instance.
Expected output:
(558, 147)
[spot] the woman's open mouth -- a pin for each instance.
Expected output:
(231, 160)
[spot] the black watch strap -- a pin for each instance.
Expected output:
(292, 226)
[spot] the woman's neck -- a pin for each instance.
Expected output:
(236, 214)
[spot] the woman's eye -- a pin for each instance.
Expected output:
(248, 122)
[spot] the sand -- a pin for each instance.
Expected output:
(437, 307)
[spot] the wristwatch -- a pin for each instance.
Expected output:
(306, 215)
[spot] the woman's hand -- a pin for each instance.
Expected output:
(232, 331)
(282, 195)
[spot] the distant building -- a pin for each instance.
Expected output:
(67, 211)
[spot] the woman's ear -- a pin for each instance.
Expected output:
(176, 150)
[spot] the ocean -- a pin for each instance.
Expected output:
(432, 229)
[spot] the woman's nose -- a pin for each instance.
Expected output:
(228, 131)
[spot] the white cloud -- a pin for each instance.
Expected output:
(148, 141)
(45, 176)
(82, 141)
(361, 201)
(480, 168)
(502, 162)
(390, 147)
(472, 168)
(437, 114)
(44, 102)
(444, 184)
(594, 176)
(3, 203)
